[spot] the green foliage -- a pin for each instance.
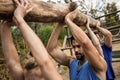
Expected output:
(65, 67)
(18, 40)
(62, 34)
(20, 45)
(44, 31)
(4, 72)
(111, 20)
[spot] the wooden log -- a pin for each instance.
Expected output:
(81, 19)
(45, 12)
(42, 11)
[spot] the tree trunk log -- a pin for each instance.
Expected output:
(81, 19)
(44, 12)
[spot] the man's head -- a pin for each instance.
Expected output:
(77, 49)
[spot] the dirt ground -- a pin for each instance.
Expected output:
(116, 65)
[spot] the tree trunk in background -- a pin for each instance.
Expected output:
(44, 12)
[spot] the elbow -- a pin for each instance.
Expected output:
(50, 49)
(109, 34)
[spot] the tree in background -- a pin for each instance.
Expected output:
(111, 20)
(44, 31)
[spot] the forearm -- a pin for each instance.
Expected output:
(91, 34)
(104, 31)
(94, 39)
(55, 52)
(107, 34)
(52, 42)
(95, 42)
(76, 30)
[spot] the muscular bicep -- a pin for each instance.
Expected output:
(93, 57)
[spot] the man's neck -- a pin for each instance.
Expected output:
(81, 62)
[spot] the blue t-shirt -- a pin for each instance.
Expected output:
(107, 51)
(85, 72)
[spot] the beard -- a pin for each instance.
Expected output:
(81, 58)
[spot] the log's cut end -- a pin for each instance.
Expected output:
(6, 9)
(73, 6)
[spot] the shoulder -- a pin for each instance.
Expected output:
(71, 59)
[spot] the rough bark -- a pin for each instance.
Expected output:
(81, 19)
(44, 12)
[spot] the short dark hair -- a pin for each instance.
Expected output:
(30, 54)
(30, 65)
(96, 32)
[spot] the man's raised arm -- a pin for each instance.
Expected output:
(107, 34)
(94, 38)
(91, 53)
(56, 53)
(37, 48)
(10, 53)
